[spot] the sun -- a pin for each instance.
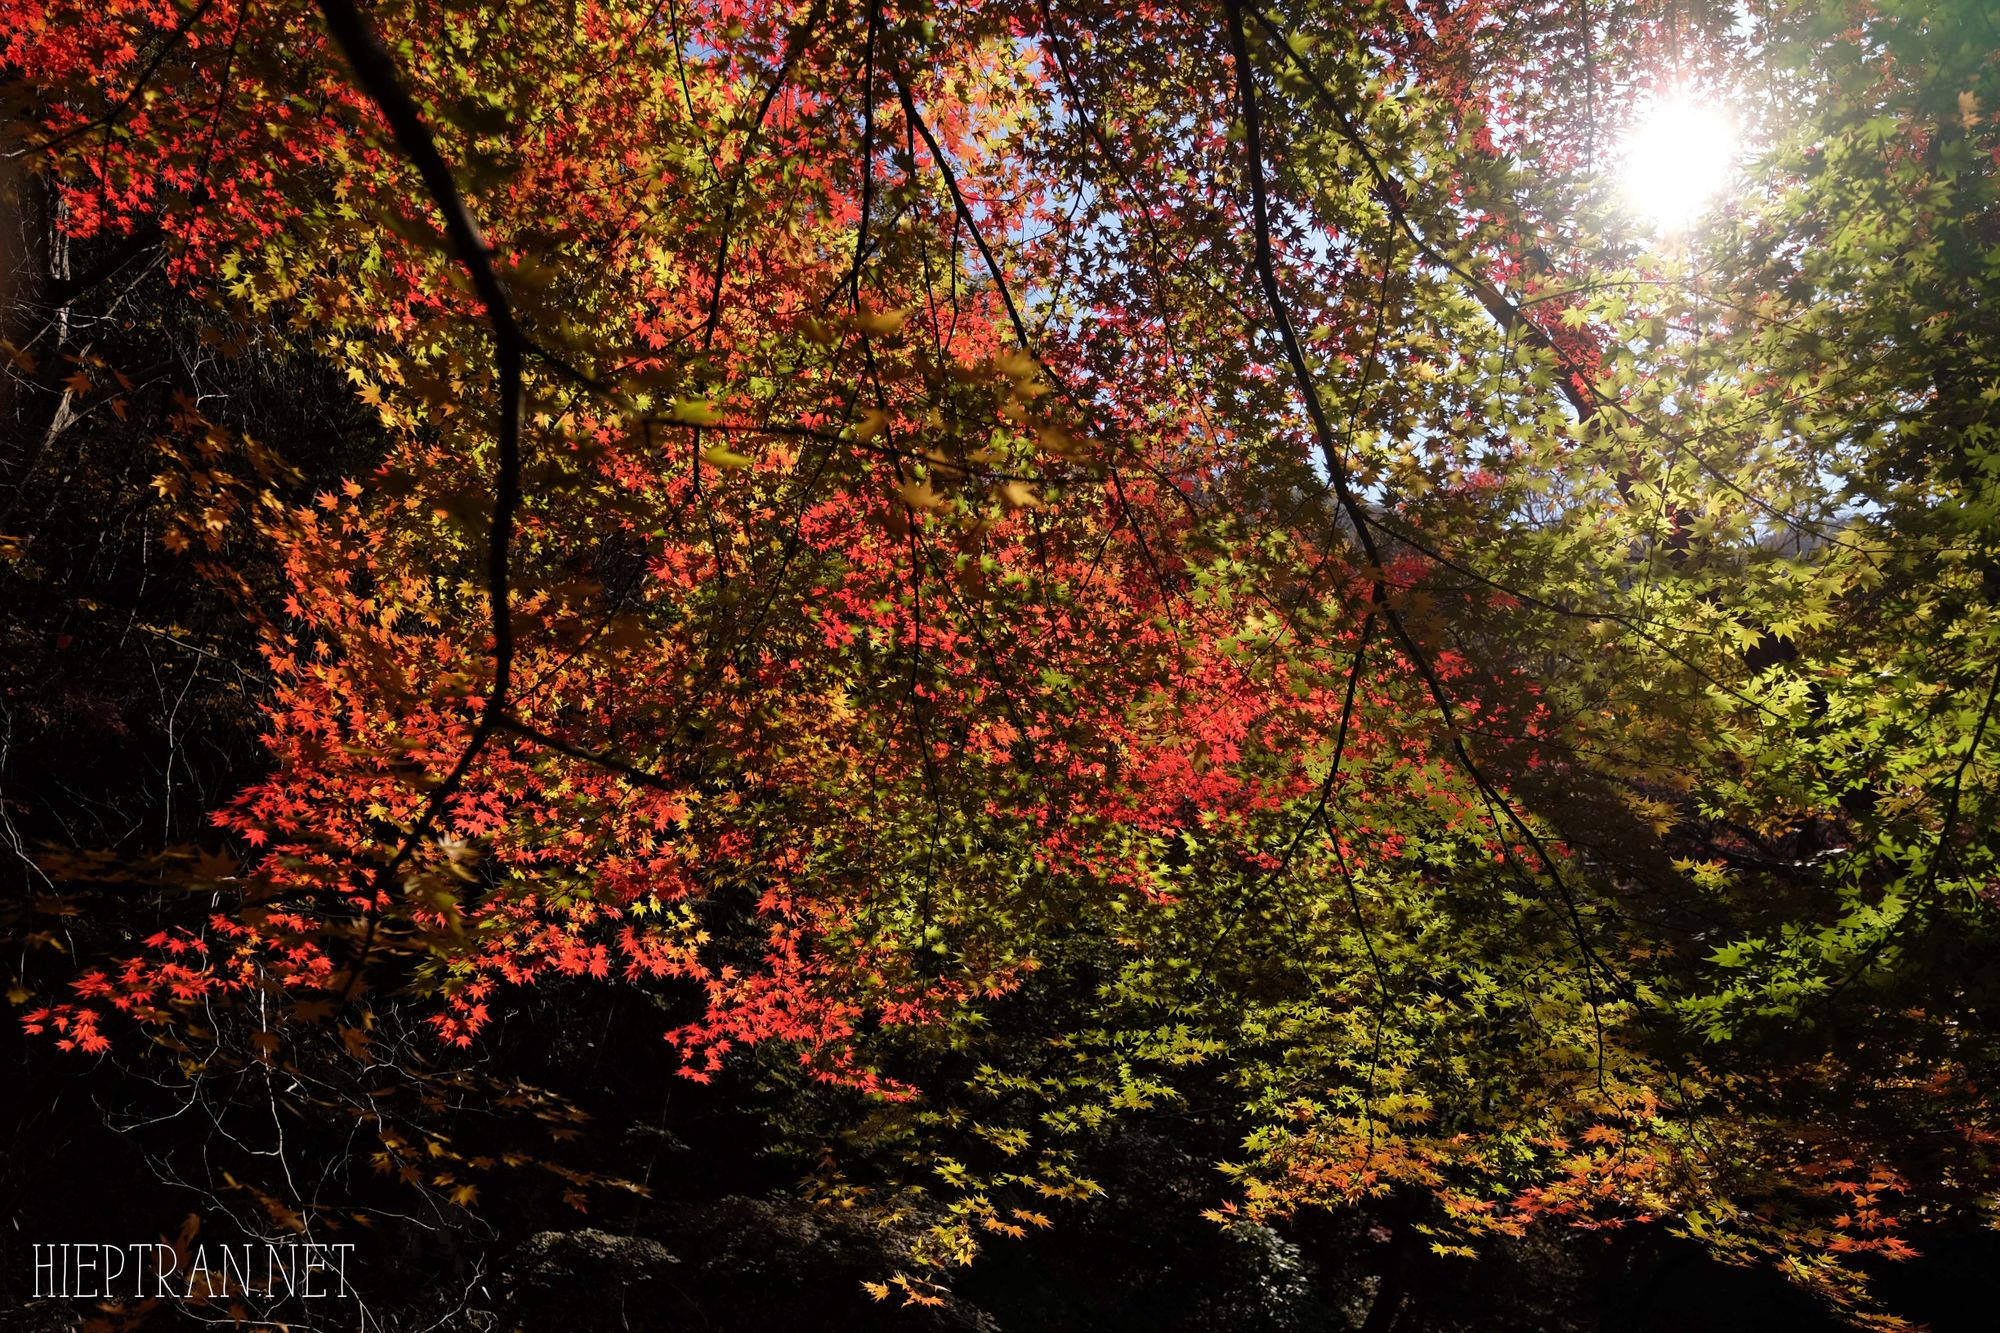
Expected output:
(1678, 157)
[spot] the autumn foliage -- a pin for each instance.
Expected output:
(1028, 556)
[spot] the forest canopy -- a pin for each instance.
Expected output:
(987, 586)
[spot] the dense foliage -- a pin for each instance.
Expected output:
(1018, 568)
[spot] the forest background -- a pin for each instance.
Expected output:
(1003, 666)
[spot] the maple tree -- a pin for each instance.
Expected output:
(1025, 555)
